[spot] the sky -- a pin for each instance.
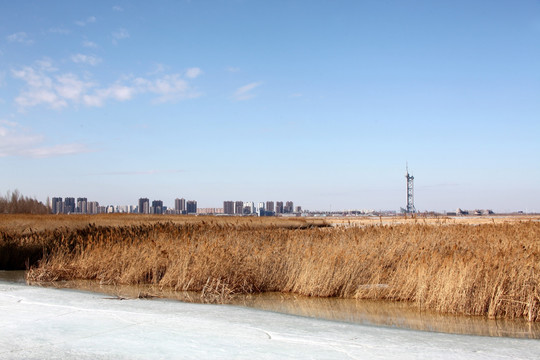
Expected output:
(319, 102)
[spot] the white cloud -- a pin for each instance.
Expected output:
(46, 64)
(233, 69)
(295, 95)
(117, 8)
(89, 44)
(170, 88)
(15, 141)
(192, 73)
(116, 92)
(245, 92)
(40, 96)
(20, 37)
(69, 87)
(85, 59)
(40, 89)
(8, 123)
(119, 35)
(46, 86)
(158, 69)
(89, 20)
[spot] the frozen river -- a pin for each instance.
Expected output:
(45, 323)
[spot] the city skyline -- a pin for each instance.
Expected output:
(68, 205)
(321, 102)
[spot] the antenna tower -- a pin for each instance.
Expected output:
(410, 193)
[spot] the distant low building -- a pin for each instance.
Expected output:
(210, 211)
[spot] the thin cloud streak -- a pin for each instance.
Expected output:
(20, 37)
(89, 20)
(193, 73)
(15, 141)
(89, 44)
(245, 92)
(119, 34)
(56, 150)
(142, 172)
(85, 59)
(60, 30)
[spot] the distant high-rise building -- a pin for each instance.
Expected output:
(228, 207)
(57, 205)
(260, 209)
(289, 207)
(269, 206)
(82, 205)
(249, 208)
(180, 206)
(298, 209)
(144, 206)
(239, 207)
(191, 207)
(279, 207)
(121, 209)
(93, 207)
(69, 205)
(157, 207)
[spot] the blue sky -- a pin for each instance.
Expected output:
(318, 102)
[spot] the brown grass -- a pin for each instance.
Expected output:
(488, 269)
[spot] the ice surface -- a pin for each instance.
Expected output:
(45, 323)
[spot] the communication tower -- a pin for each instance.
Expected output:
(410, 193)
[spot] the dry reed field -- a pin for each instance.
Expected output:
(488, 269)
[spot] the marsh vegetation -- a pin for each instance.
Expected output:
(488, 269)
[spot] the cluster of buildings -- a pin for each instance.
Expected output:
(70, 205)
(80, 206)
(259, 209)
(181, 206)
(477, 212)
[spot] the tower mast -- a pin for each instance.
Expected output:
(410, 192)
